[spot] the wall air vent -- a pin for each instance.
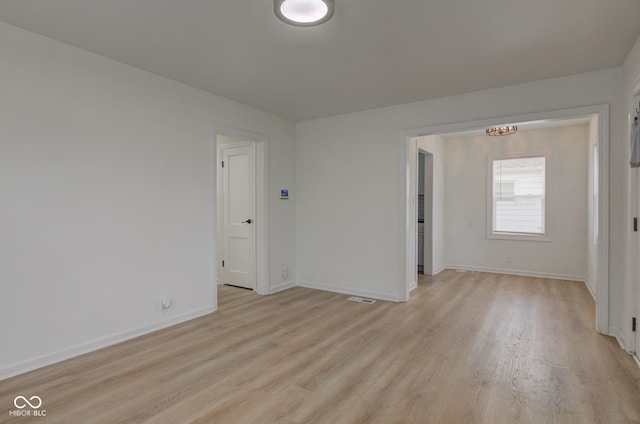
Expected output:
(361, 300)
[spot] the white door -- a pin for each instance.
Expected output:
(635, 201)
(238, 216)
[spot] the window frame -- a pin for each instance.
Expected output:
(499, 235)
(595, 214)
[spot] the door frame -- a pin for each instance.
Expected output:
(261, 220)
(428, 217)
(408, 153)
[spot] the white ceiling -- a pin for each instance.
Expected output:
(373, 53)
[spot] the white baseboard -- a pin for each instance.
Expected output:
(520, 272)
(439, 269)
(346, 290)
(99, 343)
(281, 287)
(413, 285)
(590, 288)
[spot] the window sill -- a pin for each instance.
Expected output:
(519, 237)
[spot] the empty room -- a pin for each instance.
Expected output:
(319, 211)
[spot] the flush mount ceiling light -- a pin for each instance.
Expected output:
(304, 12)
(508, 130)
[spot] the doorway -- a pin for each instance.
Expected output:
(425, 212)
(598, 114)
(237, 214)
(241, 210)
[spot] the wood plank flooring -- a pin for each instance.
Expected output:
(467, 348)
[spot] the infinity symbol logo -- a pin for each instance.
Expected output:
(21, 402)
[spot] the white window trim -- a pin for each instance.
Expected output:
(595, 214)
(546, 237)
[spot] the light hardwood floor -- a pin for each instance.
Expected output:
(467, 348)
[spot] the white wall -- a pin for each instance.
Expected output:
(107, 182)
(467, 246)
(592, 209)
(350, 169)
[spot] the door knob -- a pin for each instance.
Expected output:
(248, 221)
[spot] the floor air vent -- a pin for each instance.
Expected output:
(361, 300)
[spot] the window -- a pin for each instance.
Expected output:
(596, 190)
(517, 198)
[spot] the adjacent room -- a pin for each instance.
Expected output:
(330, 211)
(517, 203)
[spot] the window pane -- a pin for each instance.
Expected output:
(518, 195)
